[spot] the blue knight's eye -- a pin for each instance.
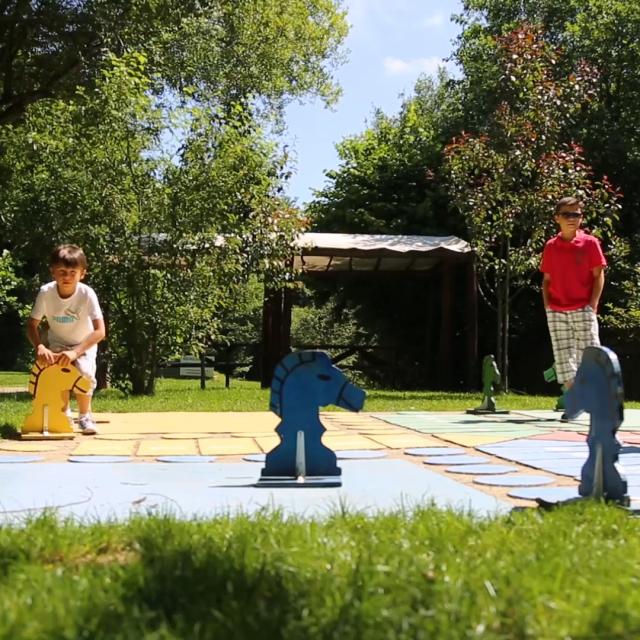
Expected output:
(324, 376)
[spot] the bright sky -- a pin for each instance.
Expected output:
(391, 42)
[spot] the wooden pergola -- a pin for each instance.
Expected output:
(448, 259)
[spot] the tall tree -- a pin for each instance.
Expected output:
(225, 51)
(89, 90)
(506, 178)
(168, 243)
(385, 182)
(605, 34)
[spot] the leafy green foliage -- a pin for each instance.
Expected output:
(605, 34)
(90, 90)
(326, 323)
(169, 244)
(220, 51)
(390, 181)
(9, 283)
(387, 178)
(623, 314)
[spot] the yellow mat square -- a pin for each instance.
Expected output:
(384, 432)
(188, 422)
(163, 447)
(356, 424)
(228, 446)
(266, 443)
(330, 426)
(50, 437)
(40, 446)
(256, 434)
(104, 448)
(348, 442)
(400, 441)
(347, 415)
(361, 426)
(470, 440)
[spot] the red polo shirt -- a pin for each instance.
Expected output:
(570, 264)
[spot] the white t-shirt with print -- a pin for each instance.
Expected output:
(70, 319)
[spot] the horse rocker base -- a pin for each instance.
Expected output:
(480, 411)
(47, 435)
(301, 479)
(47, 384)
(301, 482)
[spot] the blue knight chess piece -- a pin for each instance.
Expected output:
(597, 389)
(303, 381)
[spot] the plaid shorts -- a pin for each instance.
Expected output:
(571, 332)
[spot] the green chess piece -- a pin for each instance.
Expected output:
(550, 375)
(490, 380)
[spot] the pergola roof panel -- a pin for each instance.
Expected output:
(347, 252)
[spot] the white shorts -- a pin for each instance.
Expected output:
(85, 364)
(571, 332)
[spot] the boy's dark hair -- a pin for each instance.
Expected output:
(567, 202)
(68, 255)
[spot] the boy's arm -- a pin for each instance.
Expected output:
(598, 286)
(98, 334)
(546, 283)
(33, 335)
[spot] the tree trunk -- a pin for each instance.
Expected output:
(138, 383)
(151, 364)
(504, 365)
(102, 371)
(150, 387)
(502, 316)
(499, 320)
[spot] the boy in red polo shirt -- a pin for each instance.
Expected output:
(573, 267)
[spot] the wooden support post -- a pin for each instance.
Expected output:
(445, 363)
(203, 376)
(276, 331)
(431, 356)
(471, 380)
(285, 327)
(272, 323)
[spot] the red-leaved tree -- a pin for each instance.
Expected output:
(506, 179)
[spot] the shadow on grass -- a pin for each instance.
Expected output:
(9, 432)
(210, 588)
(420, 395)
(14, 395)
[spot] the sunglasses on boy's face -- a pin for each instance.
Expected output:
(569, 215)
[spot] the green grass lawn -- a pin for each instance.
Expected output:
(573, 573)
(13, 379)
(186, 395)
(569, 574)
